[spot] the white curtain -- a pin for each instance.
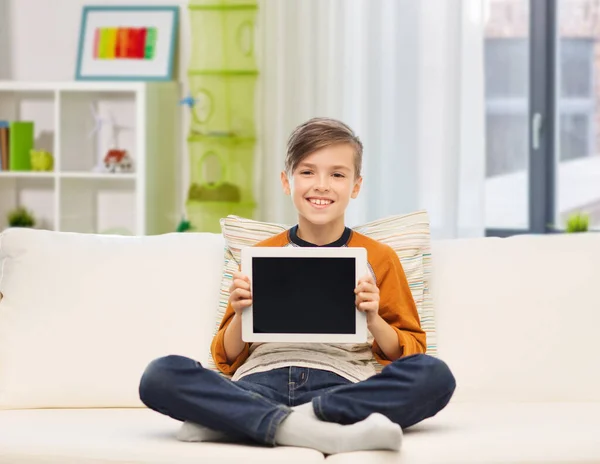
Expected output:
(406, 75)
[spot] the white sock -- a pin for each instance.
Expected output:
(376, 432)
(306, 408)
(191, 431)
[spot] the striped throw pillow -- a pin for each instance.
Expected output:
(408, 235)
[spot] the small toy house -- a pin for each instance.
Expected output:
(118, 161)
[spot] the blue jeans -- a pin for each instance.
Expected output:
(407, 391)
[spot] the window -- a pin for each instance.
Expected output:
(554, 47)
(576, 102)
(507, 103)
(507, 89)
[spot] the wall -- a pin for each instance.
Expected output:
(43, 46)
(5, 35)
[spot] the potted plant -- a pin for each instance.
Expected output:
(578, 222)
(20, 217)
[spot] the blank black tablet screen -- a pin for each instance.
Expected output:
(304, 295)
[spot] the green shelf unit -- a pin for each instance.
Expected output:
(223, 36)
(221, 168)
(222, 79)
(229, 4)
(224, 103)
(205, 216)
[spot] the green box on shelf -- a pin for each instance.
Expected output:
(221, 169)
(205, 216)
(223, 37)
(20, 143)
(224, 103)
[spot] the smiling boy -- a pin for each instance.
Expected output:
(322, 396)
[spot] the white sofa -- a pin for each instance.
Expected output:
(82, 315)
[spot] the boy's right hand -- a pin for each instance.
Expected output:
(239, 293)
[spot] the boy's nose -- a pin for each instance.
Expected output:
(322, 185)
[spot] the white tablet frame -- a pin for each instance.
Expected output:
(358, 253)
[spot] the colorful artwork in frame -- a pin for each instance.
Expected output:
(127, 43)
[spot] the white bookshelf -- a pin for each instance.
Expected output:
(75, 197)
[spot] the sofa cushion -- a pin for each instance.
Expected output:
(95, 436)
(461, 433)
(83, 315)
(408, 235)
(518, 317)
(487, 433)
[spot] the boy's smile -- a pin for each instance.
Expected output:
(321, 187)
(320, 202)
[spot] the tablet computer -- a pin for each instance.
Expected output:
(304, 294)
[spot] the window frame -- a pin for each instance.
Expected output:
(542, 101)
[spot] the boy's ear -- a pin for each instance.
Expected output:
(285, 183)
(357, 186)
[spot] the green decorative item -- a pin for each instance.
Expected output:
(224, 103)
(221, 3)
(41, 160)
(222, 81)
(221, 168)
(214, 192)
(20, 217)
(578, 222)
(223, 35)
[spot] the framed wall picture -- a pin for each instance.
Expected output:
(127, 43)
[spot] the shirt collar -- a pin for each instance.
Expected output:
(342, 241)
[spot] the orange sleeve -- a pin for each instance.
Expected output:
(217, 347)
(397, 307)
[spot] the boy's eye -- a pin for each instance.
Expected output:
(305, 173)
(338, 174)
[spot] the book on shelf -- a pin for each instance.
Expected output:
(4, 129)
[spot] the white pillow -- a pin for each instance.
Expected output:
(83, 315)
(408, 235)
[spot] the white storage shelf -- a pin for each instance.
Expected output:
(77, 196)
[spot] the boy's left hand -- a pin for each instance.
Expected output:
(367, 296)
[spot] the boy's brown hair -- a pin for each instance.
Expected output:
(319, 133)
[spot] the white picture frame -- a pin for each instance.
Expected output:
(127, 43)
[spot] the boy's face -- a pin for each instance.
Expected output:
(323, 183)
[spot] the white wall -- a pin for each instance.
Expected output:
(5, 34)
(43, 35)
(39, 39)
